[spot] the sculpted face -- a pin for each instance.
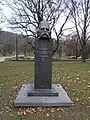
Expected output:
(44, 31)
(44, 25)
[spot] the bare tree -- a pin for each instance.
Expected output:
(27, 15)
(76, 43)
(2, 17)
(81, 18)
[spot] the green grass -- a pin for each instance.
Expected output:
(73, 76)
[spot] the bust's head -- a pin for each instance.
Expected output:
(44, 25)
(44, 30)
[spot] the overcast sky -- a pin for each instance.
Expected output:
(8, 14)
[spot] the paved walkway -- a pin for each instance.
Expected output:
(2, 59)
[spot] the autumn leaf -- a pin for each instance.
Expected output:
(77, 99)
(88, 86)
(47, 115)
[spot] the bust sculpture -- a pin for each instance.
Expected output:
(43, 30)
(43, 57)
(43, 92)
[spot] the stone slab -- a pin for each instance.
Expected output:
(41, 92)
(23, 100)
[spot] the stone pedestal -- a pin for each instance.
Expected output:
(28, 97)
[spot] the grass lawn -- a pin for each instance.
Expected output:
(73, 76)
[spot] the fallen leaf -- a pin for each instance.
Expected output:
(52, 110)
(68, 77)
(77, 78)
(88, 97)
(88, 106)
(89, 83)
(11, 115)
(59, 116)
(19, 113)
(2, 84)
(58, 109)
(47, 115)
(77, 99)
(68, 84)
(62, 110)
(24, 113)
(88, 86)
(1, 112)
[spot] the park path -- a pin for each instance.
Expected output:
(2, 59)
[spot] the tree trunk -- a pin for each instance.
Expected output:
(76, 49)
(16, 48)
(25, 50)
(83, 54)
(76, 54)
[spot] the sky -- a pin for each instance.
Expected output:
(8, 13)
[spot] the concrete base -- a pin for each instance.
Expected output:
(23, 100)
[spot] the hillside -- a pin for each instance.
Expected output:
(8, 43)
